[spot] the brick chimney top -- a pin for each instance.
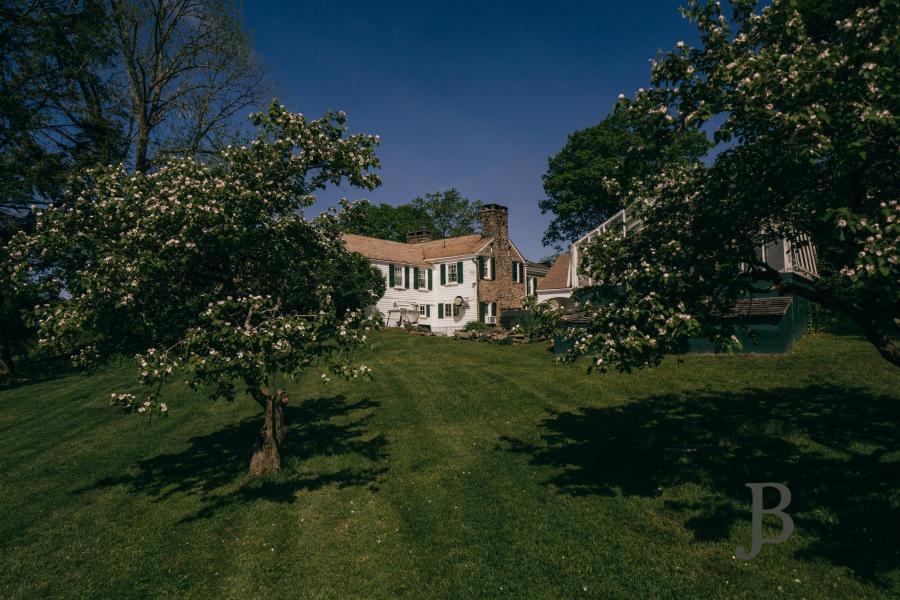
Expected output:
(418, 237)
(495, 221)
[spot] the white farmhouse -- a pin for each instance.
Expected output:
(444, 284)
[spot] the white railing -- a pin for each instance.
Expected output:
(799, 258)
(624, 222)
(803, 257)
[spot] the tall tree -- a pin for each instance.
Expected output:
(803, 98)
(59, 111)
(450, 213)
(384, 221)
(587, 181)
(98, 82)
(58, 114)
(189, 68)
(444, 214)
(210, 271)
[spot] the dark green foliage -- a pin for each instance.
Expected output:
(58, 110)
(450, 213)
(476, 326)
(384, 221)
(587, 181)
(804, 116)
(444, 214)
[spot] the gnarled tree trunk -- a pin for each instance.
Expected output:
(7, 367)
(267, 453)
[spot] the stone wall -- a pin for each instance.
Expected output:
(502, 289)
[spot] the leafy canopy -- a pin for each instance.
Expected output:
(802, 99)
(210, 268)
(444, 214)
(587, 181)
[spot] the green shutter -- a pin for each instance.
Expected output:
(481, 272)
(391, 275)
(427, 310)
(459, 272)
(494, 309)
(415, 278)
(493, 268)
(514, 271)
(443, 274)
(429, 278)
(406, 277)
(440, 311)
(481, 309)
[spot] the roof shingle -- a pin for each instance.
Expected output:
(558, 276)
(414, 254)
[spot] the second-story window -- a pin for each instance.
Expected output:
(423, 280)
(451, 273)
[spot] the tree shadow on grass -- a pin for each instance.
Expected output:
(836, 448)
(30, 372)
(212, 464)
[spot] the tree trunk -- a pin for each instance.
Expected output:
(7, 367)
(267, 453)
(143, 142)
(874, 333)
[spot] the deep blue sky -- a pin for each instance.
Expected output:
(472, 95)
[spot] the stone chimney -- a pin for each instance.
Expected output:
(495, 221)
(418, 237)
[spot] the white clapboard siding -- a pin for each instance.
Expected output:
(399, 296)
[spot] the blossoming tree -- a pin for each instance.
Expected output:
(802, 100)
(209, 271)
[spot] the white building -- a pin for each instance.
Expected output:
(444, 284)
(564, 276)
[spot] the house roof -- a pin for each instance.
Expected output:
(535, 268)
(558, 276)
(766, 306)
(575, 316)
(455, 246)
(414, 254)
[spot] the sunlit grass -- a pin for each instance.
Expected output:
(464, 470)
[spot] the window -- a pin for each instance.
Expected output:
(398, 276)
(422, 310)
(451, 273)
(451, 310)
(486, 267)
(423, 282)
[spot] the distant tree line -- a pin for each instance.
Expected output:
(445, 214)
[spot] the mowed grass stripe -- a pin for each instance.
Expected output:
(498, 469)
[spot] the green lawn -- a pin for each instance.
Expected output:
(465, 470)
